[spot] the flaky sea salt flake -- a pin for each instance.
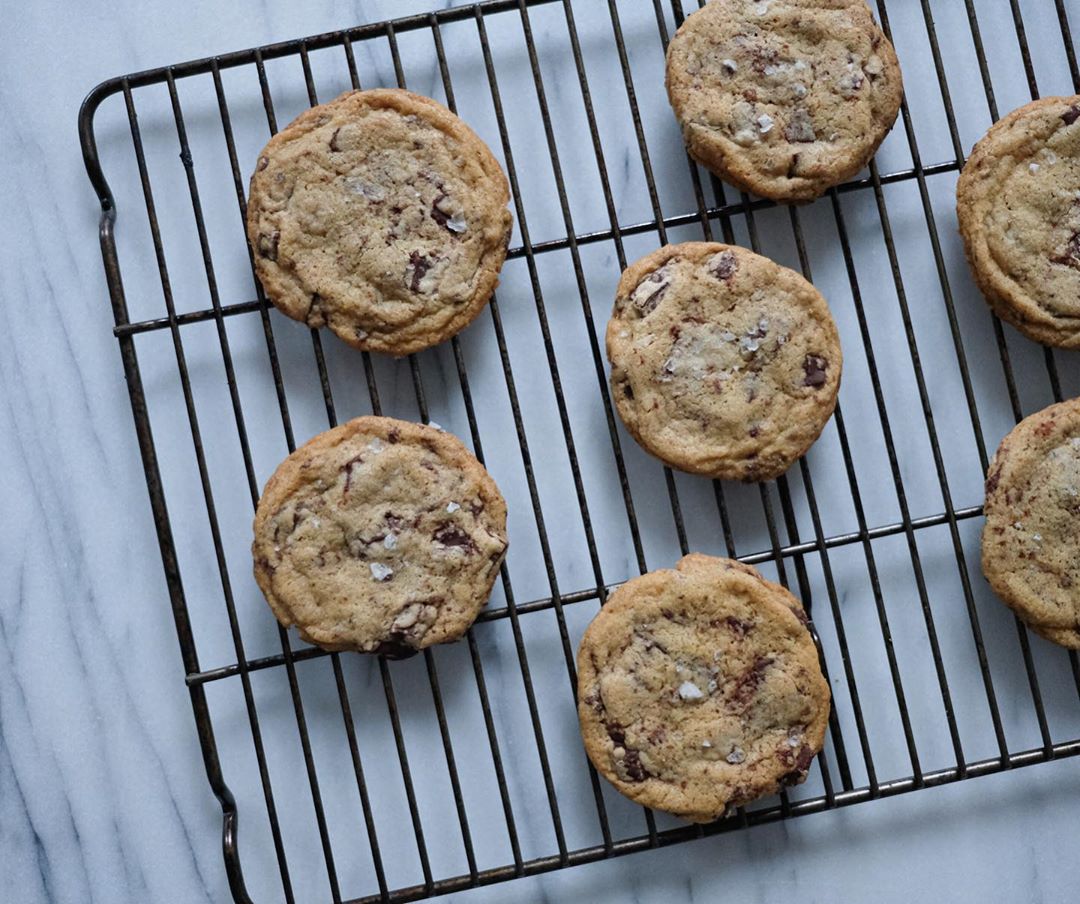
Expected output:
(381, 572)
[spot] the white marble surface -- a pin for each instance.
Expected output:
(103, 796)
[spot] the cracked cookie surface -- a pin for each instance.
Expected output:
(380, 536)
(382, 216)
(699, 689)
(1030, 545)
(723, 362)
(783, 98)
(1018, 204)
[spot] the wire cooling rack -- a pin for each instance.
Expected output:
(353, 778)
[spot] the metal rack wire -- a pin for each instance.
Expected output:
(806, 559)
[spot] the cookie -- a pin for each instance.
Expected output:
(783, 98)
(382, 216)
(1018, 204)
(1030, 544)
(723, 363)
(379, 536)
(699, 689)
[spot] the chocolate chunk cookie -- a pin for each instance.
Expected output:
(1018, 203)
(379, 536)
(1030, 544)
(723, 362)
(783, 98)
(699, 689)
(382, 216)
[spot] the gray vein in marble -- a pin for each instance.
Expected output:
(13, 708)
(66, 546)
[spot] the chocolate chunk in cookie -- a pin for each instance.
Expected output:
(387, 209)
(723, 363)
(783, 98)
(380, 536)
(699, 689)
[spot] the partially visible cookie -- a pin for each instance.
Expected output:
(723, 362)
(784, 98)
(699, 689)
(1018, 203)
(382, 216)
(379, 536)
(1030, 543)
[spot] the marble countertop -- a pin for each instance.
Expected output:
(103, 794)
